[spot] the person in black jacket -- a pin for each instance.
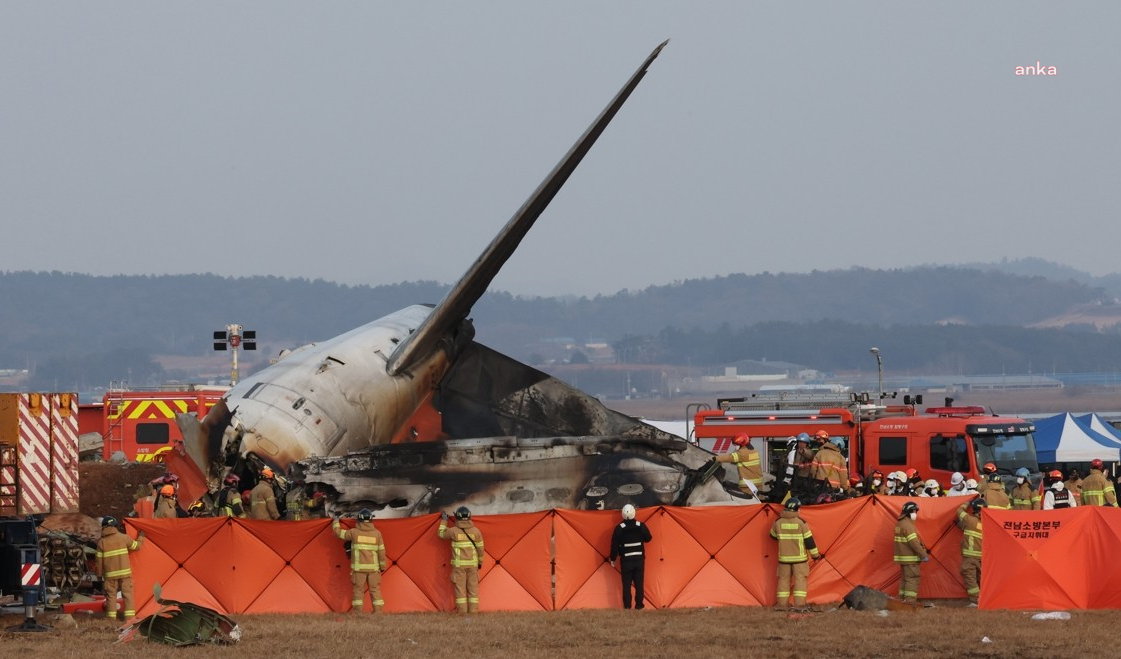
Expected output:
(628, 545)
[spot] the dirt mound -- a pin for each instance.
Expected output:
(112, 489)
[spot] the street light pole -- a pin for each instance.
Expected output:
(880, 371)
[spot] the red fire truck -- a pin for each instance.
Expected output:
(937, 441)
(141, 424)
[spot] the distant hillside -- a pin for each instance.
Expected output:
(76, 330)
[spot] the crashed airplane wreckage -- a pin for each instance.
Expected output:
(407, 415)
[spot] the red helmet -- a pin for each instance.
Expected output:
(167, 490)
(878, 474)
(911, 473)
(989, 468)
(231, 479)
(822, 435)
(741, 439)
(1056, 475)
(855, 480)
(1096, 463)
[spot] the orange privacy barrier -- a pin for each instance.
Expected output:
(709, 556)
(1054, 559)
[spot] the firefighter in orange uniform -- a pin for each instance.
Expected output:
(467, 558)
(795, 548)
(367, 559)
(114, 567)
(746, 459)
(262, 499)
(166, 505)
(909, 552)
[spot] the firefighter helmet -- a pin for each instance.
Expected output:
(1096, 463)
(876, 473)
(931, 484)
(855, 480)
(231, 479)
(196, 508)
(956, 478)
(365, 515)
(977, 504)
(793, 503)
(108, 520)
(822, 435)
(267, 474)
(167, 490)
(742, 440)
(989, 468)
(1023, 472)
(1056, 475)
(911, 473)
(839, 442)
(970, 484)
(171, 478)
(804, 437)
(628, 511)
(910, 507)
(994, 478)
(462, 513)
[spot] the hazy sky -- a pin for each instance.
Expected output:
(377, 142)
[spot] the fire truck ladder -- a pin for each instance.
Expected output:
(114, 436)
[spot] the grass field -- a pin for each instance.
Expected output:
(945, 631)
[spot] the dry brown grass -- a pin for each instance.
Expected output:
(742, 633)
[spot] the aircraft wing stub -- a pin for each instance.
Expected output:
(458, 302)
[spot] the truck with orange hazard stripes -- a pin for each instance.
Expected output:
(140, 424)
(936, 441)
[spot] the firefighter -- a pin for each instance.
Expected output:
(957, 485)
(971, 486)
(317, 505)
(856, 487)
(1074, 484)
(969, 519)
(1096, 488)
(229, 500)
(628, 544)
(994, 493)
(198, 509)
(295, 502)
(1024, 496)
(262, 501)
(166, 505)
(879, 484)
(114, 567)
(367, 559)
(467, 558)
(803, 464)
(746, 459)
(830, 470)
(795, 548)
(1057, 496)
(915, 483)
(909, 552)
(167, 479)
(931, 488)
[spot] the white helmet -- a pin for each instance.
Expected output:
(931, 484)
(970, 484)
(628, 511)
(956, 478)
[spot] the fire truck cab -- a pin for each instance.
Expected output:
(141, 424)
(937, 441)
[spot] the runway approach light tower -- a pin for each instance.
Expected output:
(235, 337)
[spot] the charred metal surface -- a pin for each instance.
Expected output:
(498, 475)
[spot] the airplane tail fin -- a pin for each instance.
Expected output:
(457, 304)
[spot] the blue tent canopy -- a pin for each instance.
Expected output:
(1095, 422)
(1063, 438)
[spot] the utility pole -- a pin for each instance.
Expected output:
(235, 337)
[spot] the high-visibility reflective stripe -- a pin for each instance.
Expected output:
(116, 574)
(113, 552)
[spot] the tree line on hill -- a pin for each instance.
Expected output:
(76, 330)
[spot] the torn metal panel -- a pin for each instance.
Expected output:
(182, 623)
